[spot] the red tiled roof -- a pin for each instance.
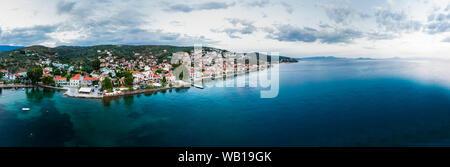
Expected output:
(76, 77)
(61, 78)
(3, 70)
(90, 79)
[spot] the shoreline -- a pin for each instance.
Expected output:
(142, 91)
(8, 86)
(134, 92)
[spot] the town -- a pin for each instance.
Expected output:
(110, 75)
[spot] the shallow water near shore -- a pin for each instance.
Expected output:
(320, 103)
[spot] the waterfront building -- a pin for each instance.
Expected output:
(61, 81)
(76, 80)
(88, 81)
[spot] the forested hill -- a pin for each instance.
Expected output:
(25, 58)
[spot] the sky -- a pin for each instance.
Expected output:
(295, 28)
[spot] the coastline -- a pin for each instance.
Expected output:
(16, 86)
(135, 92)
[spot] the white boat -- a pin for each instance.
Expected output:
(25, 109)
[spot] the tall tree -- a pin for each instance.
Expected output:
(129, 79)
(48, 80)
(35, 75)
(107, 84)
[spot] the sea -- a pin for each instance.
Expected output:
(348, 102)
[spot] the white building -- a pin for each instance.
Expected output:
(75, 81)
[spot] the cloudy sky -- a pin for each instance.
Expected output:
(297, 28)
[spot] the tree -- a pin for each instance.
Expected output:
(35, 75)
(128, 79)
(96, 64)
(48, 80)
(164, 82)
(57, 71)
(107, 84)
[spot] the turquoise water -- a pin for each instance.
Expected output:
(320, 103)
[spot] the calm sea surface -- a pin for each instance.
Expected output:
(320, 103)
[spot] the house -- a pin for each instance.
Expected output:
(47, 70)
(76, 80)
(170, 77)
(61, 81)
(156, 78)
(88, 81)
(121, 81)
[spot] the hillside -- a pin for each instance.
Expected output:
(22, 59)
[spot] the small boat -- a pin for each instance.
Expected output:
(25, 109)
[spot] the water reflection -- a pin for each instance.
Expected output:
(38, 94)
(128, 100)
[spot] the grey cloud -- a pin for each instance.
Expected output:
(293, 34)
(28, 35)
(438, 23)
(202, 6)
(339, 15)
(123, 25)
(437, 27)
(240, 27)
(287, 7)
(343, 15)
(180, 8)
(306, 34)
(396, 21)
(258, 3)
(64, 7)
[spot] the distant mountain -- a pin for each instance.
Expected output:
(9, 48)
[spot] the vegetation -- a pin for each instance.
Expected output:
(48, 80)
(107, 84)
(128, 79)
(24, 59)
(35, 75)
